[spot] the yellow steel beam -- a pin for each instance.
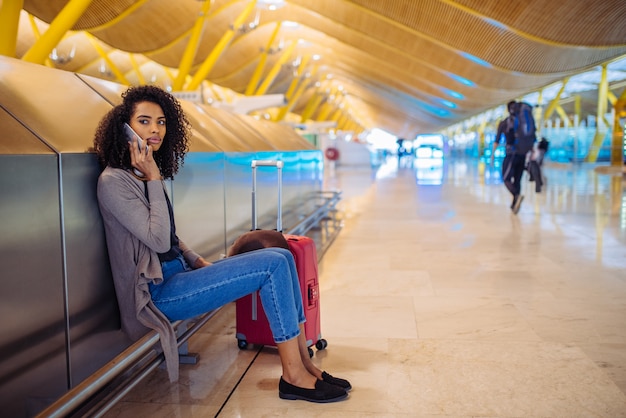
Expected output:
(116, 71)
(618, 138)
(192, 46)
(275, 69)
(481, 134)
(612, 98)
(133, 62)
(221, 46)
(37, 35)
(324, 111)
(258, 71)
(601, 124)
(350, 124)
(9, 22)
(294, 97)
(336, 114)
(182, 36)
(311, 107)
(217, 93)
(327, 106)
(555, 102)
(563, 115)
(169, 73)
(64, 21)
(342, 121)
(299, 78)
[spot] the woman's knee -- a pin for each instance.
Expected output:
(277, 250)
(272, 255)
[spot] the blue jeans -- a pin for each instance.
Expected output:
(186, 293)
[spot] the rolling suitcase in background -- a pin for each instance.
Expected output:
(252, 325)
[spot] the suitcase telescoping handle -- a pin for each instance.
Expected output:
(279, 166)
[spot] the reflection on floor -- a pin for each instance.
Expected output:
(438, 301)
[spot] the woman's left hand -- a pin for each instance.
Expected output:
(200, 262)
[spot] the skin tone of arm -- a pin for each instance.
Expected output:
(200, 262)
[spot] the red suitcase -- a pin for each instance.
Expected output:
(252, 325)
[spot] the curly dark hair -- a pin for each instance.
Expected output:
(110, 141)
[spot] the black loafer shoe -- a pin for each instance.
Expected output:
(342, 383)
(323, 392)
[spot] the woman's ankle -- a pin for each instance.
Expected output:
(312, 369)
(302, 380)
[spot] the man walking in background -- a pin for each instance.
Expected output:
(519, 131)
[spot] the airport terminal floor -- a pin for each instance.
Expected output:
(437, 301)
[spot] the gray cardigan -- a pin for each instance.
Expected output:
(136, 230)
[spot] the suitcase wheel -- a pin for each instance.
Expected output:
(242, 344)
(310, 352)
(321, 344)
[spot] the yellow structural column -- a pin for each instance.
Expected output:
(324, 111)
(258, 71)
(555, 102)
(338, 109)
(192, 46)
(327, 107)
(294, 97)
(618, 139)
(598, 138)
(116, 71)
(348, 125)
(342, 121)
(299, 74)
(481, 135)
(64, 21)
(140, 76)
(37, 35)
(9, 20)
(337, 114)
(210, 61)
(311, 107)
(275, 70)
(563, 116)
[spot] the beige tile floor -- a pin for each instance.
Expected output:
(438, 302)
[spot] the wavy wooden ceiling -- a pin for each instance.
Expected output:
(406, 66)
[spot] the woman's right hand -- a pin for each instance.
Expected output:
(200, 262)
(143, 161)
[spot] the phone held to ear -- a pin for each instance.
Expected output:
(129, 136)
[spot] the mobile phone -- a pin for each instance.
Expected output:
(129, 136)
